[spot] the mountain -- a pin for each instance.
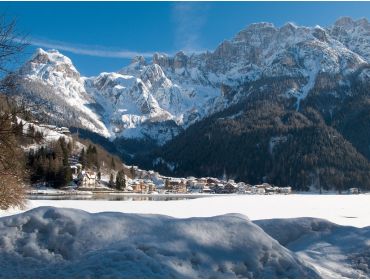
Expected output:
(50, 80)
(313, 81)
(139, 101)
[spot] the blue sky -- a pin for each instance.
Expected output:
(103, 36)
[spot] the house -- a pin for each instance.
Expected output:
(219, 188)
(202, 180)
(206, 189)
(74, 169)
(142, 186)
(212, 181)
(150, 186)
(259, 189)
(136, 186)
(230, 187)
(285, 190)
(271, 190)
(176, 185)
(191, 183)
(354, 191)
(87, 179)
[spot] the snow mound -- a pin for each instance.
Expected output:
(287, 231)
(49, 242)
(335, 251)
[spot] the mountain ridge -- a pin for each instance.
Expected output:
(186, 88)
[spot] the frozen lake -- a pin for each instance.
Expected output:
(116, 197)
(351, 210)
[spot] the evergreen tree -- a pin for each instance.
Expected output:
(132, 171)
(83, 158)
(113, 164)
(120, 180)
(166, 183)
(111, 181)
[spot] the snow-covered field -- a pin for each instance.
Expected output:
(353, 210)
(203, 240)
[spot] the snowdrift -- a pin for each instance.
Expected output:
(335, 251)
(49, 242)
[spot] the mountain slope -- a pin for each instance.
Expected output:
(264, 142)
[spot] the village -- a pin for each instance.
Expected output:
(134, 180)
(141, 181)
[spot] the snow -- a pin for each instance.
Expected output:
(335, 251)
(276, 236)
(351, 210)
(66, 243)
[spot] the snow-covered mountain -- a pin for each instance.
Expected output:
(52, 76)
(159, 98)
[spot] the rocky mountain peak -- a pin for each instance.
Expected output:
(139, 59)
(349, 24)
(363, 22)
(354, 34)
(344, 21)
(43, 63)
(161, 59)
(180, 60)
(50, 57)
(262, 29)
(320, 33)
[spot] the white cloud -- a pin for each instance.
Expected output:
(189, 19)
(97, 51)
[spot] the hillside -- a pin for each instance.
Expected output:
(264, 142)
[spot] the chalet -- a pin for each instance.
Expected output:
(219, 188)
(212, 181)
(200, 184)
(202, 180)
(142, 186)
(271, 190)
(354, 191)
(191, 183)
(177, 185)
(74, 169)
(136, 186)
(285, 190)
(150, 186)
(87, 179)
(258, 189)
(206, 189)
(230, 187)
(63, 130)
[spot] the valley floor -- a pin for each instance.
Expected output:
(278, 236)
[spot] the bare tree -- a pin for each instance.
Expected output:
(12, 172)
